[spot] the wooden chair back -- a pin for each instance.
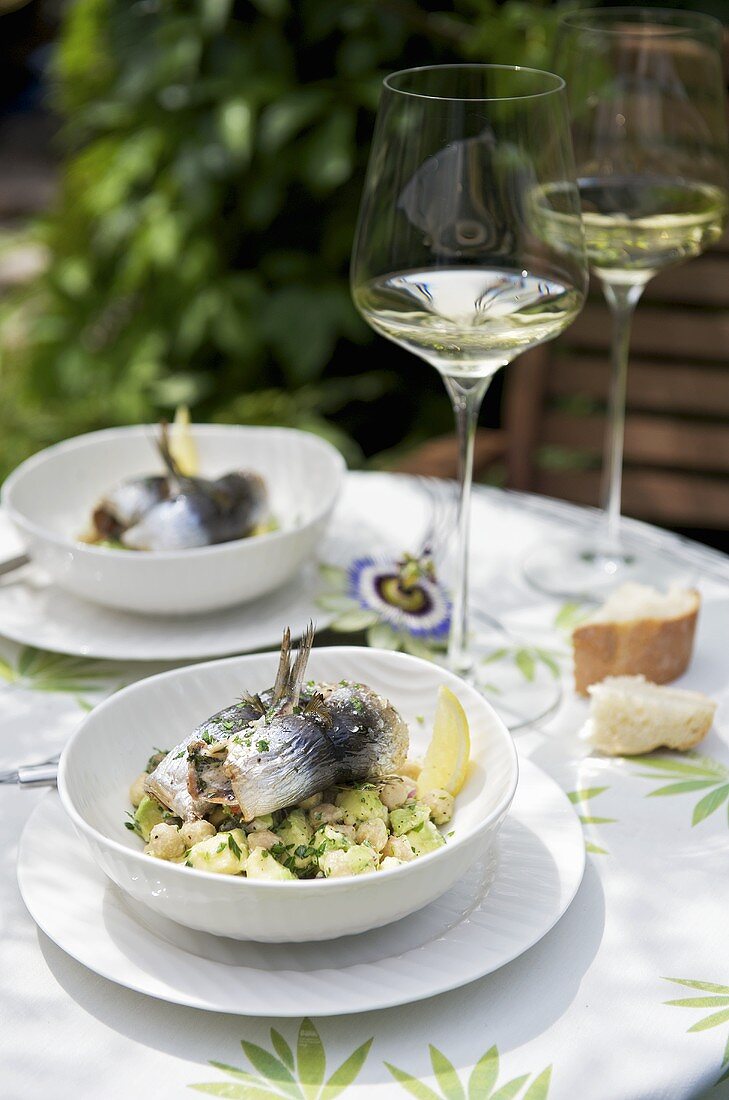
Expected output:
(676, 469)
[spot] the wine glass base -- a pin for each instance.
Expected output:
(579, 569)
(521, 682)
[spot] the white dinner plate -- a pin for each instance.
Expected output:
(491, 916)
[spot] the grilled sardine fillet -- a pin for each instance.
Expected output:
(190, 781)
(169, 782)
(351, 735)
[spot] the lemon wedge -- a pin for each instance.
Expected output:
(182, 445)
(446, 761)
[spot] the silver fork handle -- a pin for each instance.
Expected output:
(33, 775)
(38, 775)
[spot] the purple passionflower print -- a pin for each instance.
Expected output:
(404, 593)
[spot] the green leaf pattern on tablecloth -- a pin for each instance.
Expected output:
(480, 1085)
(689, 773)
(716, 998)
(282, 1074)
(582, 798)
(570, 615)
(39, 670)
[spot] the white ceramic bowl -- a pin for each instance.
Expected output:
(109, 749)
(50, 498)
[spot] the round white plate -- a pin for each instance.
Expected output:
(493, 915)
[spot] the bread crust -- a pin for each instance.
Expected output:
(658, 648)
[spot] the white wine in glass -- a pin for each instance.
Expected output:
(646, 91)
(450, 260)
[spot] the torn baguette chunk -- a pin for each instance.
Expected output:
(630, 716)
(637, 631)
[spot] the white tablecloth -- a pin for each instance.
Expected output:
(584, 1015)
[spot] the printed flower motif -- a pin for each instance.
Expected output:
(404, 594)
(398, 601)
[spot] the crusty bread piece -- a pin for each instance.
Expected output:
(637, 631)
(630, 716)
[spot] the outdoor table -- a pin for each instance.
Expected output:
(627, 998)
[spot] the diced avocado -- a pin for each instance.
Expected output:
(261, 864)
(148, 813)
(361, 805)
(358, 859)
(296, 833)
(330, 839)
(425, 838)
(408, 817)
(223, 854)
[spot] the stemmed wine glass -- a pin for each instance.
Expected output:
(451, 260)
(647, 99)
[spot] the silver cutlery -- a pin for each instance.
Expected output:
(33, 775)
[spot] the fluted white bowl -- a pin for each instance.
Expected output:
(51, 496)
(110, 748)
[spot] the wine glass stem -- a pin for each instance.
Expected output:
(467, 395)
(621, 301)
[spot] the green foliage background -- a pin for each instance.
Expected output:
(199, 246)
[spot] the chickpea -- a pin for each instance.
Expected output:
(263, 838)
(400, 848)
(193, 831)
(325, 814)
(372, 832)
(137, 790)
(441, 805)
(165, 842)
(395, 792)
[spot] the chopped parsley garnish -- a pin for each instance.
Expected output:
(233, 846)
(262, 746)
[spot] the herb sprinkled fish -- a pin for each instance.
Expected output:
(275, 749)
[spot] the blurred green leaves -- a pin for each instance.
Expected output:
(200, 242)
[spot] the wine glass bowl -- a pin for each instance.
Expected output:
(451, 259)
(448, 259)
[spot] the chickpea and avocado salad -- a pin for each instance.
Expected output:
(302, 780)
(345, 830)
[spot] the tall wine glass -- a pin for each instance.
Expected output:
(450, 257)
(647, 99)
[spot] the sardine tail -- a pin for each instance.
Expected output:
(284, 668)
(296, 678)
